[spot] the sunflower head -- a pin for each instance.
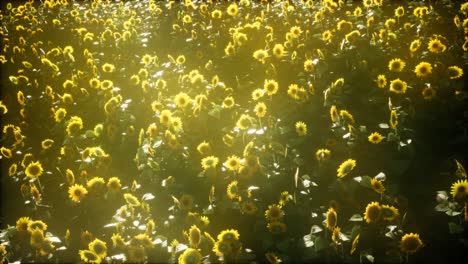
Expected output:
(346, 167)
(373, 212)
(410, 243)
(331, 218)
(459, 189)
(274, 213)
(276, 227)
(377, 186)
(375, 138)
(189, 256)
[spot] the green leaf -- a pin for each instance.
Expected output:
(455, 228)
(215, 112)
(320, 244)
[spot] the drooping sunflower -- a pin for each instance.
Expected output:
(204, 148)
(6, 152)
(260, 55)
(347, 117)
(131, 200)
(232, 190)
(414, 46)
(194, 236)
(190, 256)
(37, 237)
(459, 189)
(346, 167)
(272, 258)
(410, 243)
(114, 185)
(399, 11)
(34, 169)
(270, 87)
(396, 65)
(331, 218)
(454, 72)
(301, 128)
(423, 69)
(377, 186)
(375, 138)
(75, 124)
(96, 185)
(274, 213)
(373, 212)
(398, 86)
(12, 169)
(336, 235)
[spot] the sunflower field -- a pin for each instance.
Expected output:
(300, 131)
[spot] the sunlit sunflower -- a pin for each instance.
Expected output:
(37, 237)
(454, 72)
(347, 117)
(3, 108)
(257, 94)
(373, 212)
(75, 124)
(331, 219)
(276, 227)
(398, 86)
(34, 169)
(248, 207)
(377, 186)
(165, 117)
(107, 67)
(270, 87)
(6, 152)
(415, 44)
(375, 138)
(260, 55)
(232, 9)
(301, 128)
(396, 65)
(410, 243)
(295, 31)
(99, 247)
(131, 200)
(12, 169)
(222, 248)
(278, 51)
(381, 81)
(114, 185)
(389, 213)
(322, 155)
(260, 109)
(352, 36)
(428, 93)
(346, 167)
(293, 91)
(274, 213)
(22, 224)
(216, 14)
(186, 202)
(327, 36)
(96, 185)
(393, 119)
(194, 236)
(436, 46)
(232, 163)
(244, 122)
(89, 256)
(232, 190)
(228, 102)
(459, 189)
(344, 26)
(209, 162)
(399, 11)
(190, 256)
(423, 69)
(228, 235)
(182, 100)
(118, 241)
(77, 192)
(336, 235)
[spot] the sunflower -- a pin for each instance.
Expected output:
(232, 190)
(6, 152)
(423, 69)
(232, 9)
(301, 128)
(327, 36)
(260, 55)
(216, 14)
(107, 85)
(272, 258)
(398, 86)
(308, 66)
(47, 143)
(270, 87)
(228, 102)
(344, 26)
(186, 202)
(276, 227)
(98, 247)
(34, 169)
(357, 12)
(375, 138)
(3, 108)
(75, 124)
(35, 193)
(428, 93)
(257, 93)
(182, 100)
(322, 155)
(347, 117)
(96, 185)
(377, 186)
(12, 169)
(222, 248)
(244, 122)
(209, 162)
(334, 114)
(232, 163)
(373, 212)
(352, 36)
(194, 236)
(37, 237)
(293, 91)
(415, 44)
(230, 49)
(278, 51)
(77, 192)
(204, 148)
(274, 213)
(190, 256)
(295, 31)
(399, 11)
(107, 67)
(410, 243)
(131, 200)
(389, 213)
(393, 119)
(165, 117)
(260, 109)
(89, 256)
(396, 65)
(454, 72)
(114, 185)
(336, 235)
(176, 124)
(436, 46)
(346, 167)
(228, 235)
(248, 207)
(22, 224)
(459, 189)
(331, 218)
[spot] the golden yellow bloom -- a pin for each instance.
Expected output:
(415, 44)
(222, 248)
(209, 162)
(270, 87)
(248, 207)
(398, 86)
(344, 26)
(3, 108)
(260, 109)
(113, 184)
(244, 122)
(77, 192)
(257, 94)
(228, 235)
(389, 213)
(322, 155)
(393, 119)
(346, 167)
(12, 169)
(232, 9)
(165, 117)
(396, 65)
(436, 46)
(352, 36)
(232, 163)
(107, 67)
(22, 224)
(274, 213)
(228, 102)
(37, 237)
(347, 117)
(455, 72)
(99, 247)
(278, 51)
(373, 212)
(301, 128)
(260, 55)
(232, 190)
(34, 169)
(354, 244)
(6, 152)
(331, 218)
(295, 31)
(182, 100)
(377, 186)
(131, 200)
(381, 81)
(375, 138)
(410, 243)
(276, 227)
(423, 69)
(190, 256)
(216, 14)
(75, 124)
(327, 36)
(89, 256)
(428, 93)
(459, 189)
(399, 11)
(308, 66)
